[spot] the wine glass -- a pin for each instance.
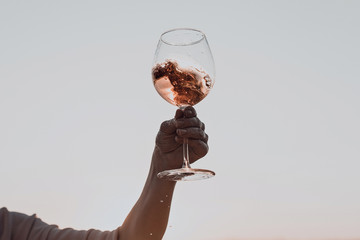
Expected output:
(183, 74)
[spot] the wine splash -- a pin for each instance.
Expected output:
(181, 86)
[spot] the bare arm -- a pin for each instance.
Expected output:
(149, 217)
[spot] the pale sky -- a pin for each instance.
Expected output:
(79, 115)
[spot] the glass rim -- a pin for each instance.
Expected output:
(182, 44)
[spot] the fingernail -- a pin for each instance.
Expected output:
(181, 131)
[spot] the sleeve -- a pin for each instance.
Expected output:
(14, 226)
(17, 226)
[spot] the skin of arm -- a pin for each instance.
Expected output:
(149, 217)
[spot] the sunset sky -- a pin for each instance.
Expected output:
(79, 115)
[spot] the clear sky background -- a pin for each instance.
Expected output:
(79, 115)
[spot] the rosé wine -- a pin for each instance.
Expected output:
(181, 86)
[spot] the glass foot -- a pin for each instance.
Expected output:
(185, 174)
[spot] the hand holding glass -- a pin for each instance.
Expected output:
(183, 74)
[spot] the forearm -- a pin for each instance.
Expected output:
(149, 217)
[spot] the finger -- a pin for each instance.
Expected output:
(198, 147)
(189, 112)
(180, 139)
(192, 133)
(168, 126)
(188, 122)
(179, 114)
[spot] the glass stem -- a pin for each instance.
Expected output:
(186, 163)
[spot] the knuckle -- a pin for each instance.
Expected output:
(203, 135)
(195, 133)
(167, 126)
(197, 122)
(190, 112)
(164, 126)
(200, 133)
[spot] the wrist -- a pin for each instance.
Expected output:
(155, 168)
(159, 162)
(166, 160)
